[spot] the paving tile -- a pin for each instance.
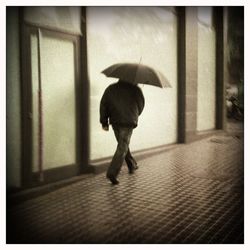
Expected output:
(193, 193)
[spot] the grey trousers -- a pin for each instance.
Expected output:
(122, 135)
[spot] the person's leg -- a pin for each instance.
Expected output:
(123, 136)
(131, 162)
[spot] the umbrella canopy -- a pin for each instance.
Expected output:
(137, 73)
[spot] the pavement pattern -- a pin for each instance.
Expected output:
(193, 193)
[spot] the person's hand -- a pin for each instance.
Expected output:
(106, 128)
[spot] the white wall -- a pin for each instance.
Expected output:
(128, 34)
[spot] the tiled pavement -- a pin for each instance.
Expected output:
(190, 194)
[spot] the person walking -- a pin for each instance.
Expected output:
(121, 105)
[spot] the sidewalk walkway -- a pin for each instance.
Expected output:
(190, 194)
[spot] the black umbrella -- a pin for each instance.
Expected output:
(137, 73)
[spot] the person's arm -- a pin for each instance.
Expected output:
(140, 101)
(104, 114)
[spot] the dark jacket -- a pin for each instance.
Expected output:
(121, 104)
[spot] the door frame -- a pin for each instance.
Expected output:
(28, 178)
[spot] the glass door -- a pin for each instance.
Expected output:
(54, 111)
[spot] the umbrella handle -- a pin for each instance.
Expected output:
(140, 59)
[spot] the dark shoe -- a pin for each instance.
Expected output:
(132, 170)
(113, 180)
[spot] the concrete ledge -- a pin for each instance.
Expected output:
(196, 136)
(101, 165)
(26, 194)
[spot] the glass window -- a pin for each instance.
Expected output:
(64, 18)
(58, 101)
(131, 34)
(205, 16)
(206, 70)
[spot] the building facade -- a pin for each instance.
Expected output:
(55, 56)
